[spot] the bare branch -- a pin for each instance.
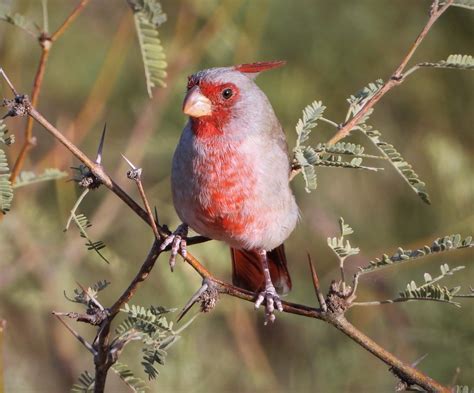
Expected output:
(75, 334)
(396, 77)
(136, 175)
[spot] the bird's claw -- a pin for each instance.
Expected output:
(178, 244)
(272, 301)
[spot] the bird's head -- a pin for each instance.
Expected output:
(224, 100)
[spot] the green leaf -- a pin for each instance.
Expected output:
(463, 62)
(151, 10)
(447, 243)
(469, 4)
(311, 114)
(85, 383)
(4, 138)
(82, 224)
(26, 178)
(337, 161)
(6, 190)
(398, 162)
(305, 156)
(341, 247)
(357, 101)
(85, 297)
(430, 290)
(463, 389)
(345, 228)
(17, 20)
(137, 385)
(340, 148)
(148, 17)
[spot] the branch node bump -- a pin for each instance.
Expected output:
(19, 106)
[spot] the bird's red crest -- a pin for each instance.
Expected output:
(255, 68)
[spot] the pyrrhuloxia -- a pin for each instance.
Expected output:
(230, 178)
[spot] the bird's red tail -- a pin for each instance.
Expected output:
(247, 272)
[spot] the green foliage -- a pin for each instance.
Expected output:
(6, 190)
(469, 4)
(305, 156)
(357, 101)
(148, 17)
(340, 148)
(16, 19)
(4, 138)
(151, 327)
(311, 114)
(82, 224)
(447, 243)
(85, 383)
(429, 290)
(463, 388)
(341, 247)
(136, 385)
(337, 161)
(398, 162)
(85, 297)
(26, 178)
(462, 62)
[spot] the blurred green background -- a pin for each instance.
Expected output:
(333, 48)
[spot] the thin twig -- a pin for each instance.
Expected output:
(395, 79)
(72, 16)
(401, 300)
(319, 294)
(9, 83)
(75, 334)
(74, 208)
(136, 175)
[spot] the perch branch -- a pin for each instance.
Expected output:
(397, 76)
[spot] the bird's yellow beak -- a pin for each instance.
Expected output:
(196, 104)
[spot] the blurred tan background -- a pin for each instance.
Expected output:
(333, 48)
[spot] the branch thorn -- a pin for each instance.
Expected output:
(319, 294)
(98, 160)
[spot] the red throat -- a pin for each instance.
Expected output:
(209, 126)
(214, 124)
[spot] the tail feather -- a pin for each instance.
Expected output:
(247, 271)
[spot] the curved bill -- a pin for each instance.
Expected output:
(196, 104)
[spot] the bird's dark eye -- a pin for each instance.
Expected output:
(227, 93)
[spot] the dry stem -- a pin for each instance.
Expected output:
(397, 76)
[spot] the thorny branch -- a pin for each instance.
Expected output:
(333, 307)
(397, 77)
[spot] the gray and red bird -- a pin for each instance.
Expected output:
(230, 178)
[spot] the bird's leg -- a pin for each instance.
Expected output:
(178, 243)
(269, 294)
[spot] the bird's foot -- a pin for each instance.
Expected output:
(178, 243)
(272, 301)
